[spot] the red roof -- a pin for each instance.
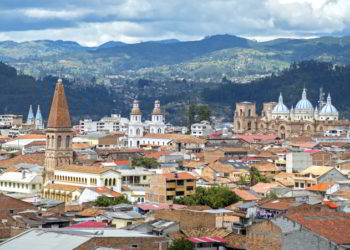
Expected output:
(90, 224)
(312, 151)
(252, 138)
(207, 239)
(160, 206)
(245, 195)
(178, 176)
(330, 204)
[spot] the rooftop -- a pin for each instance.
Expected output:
(84, 169)
(334, 226)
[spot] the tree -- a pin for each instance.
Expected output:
(204, 113)
(214, 197)
(104, 201)
(181, 244)
(145, 162)
(191, 113)
(256, 177)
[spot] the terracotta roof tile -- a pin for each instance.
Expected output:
(90, 212)
(36, 159)
(63, 187)
(83, 169)
(245, 195)
(179, 176)
(323, 187)
(334, 226)
(262, 188)
(179, 138)
(59, 114)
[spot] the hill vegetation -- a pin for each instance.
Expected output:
(211, 58)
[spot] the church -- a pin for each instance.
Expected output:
(277, 119)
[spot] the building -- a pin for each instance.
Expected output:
(37, 121)
(58, 134)
(165, 187)
(157, 125)
(201, 129)
(315, 175)
(9, 120)
(303, 230)
(277, 119)
(21, 182)
(113, 124)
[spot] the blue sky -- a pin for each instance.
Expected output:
(92, 22)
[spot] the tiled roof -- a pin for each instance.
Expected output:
(36, 159)
(178, 138)
(178, 176)
(245, 195)
(193, 164)
(323, 187)
(252, 138)
(221, 168)
(31, 136)
(266, 167)
(315, 170)
(59, 114)
(83, 169)
(7, 203)
(283, 175)
(262, 188)
(156, 154)
(90, 212)
(281, 205)
(106, 191)
(81, 146)
(343, 193)
(63, 187)
(334, 226)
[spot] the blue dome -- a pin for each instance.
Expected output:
(329, 109)
(280, 107)
(304, 103)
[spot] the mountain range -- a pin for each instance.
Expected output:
(211, 58)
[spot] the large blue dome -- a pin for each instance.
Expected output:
(304, 103)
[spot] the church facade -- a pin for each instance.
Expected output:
(277, 119)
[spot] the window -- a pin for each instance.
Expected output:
(67, 141)
(297, 184)
(189, 188)
(10, 184)
(144, 178)
(301, 185)
(59, 141)
(33, 186)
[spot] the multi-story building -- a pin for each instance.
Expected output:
(8, 120)
(21, 182)
(112, 124)
(277, 119)
(201, 129)
(165, 187)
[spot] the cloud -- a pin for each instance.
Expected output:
(97, 21)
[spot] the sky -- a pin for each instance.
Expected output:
(93, 22)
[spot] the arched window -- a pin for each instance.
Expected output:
(59, 141)
(48, 141)
(114, 182)
(138, 131)
(52, 141)
(67, 141)
(238, 125)
(106, 182)
(159, 131)
(110, 182)
(249, 126)
(249, 113)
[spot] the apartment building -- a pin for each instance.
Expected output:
(165, 187)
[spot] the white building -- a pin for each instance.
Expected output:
(114, 123)
(11, 120)
(21, 182)
(201, 129)
(157, 125)
(37, 121)
(88, 176)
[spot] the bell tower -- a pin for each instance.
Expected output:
(58, 134)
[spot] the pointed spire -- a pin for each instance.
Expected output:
(38, 114)
(329, 99)
(303, 96)
(280, 99)
(59, 114)
(30, 113)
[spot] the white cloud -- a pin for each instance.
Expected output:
(94, 22)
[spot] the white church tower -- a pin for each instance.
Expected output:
(136, 129)
(157, 125)
(30, 118)
(39, 123)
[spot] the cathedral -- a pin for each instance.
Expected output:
(277, 119)
(137, 129)
(37, 122)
